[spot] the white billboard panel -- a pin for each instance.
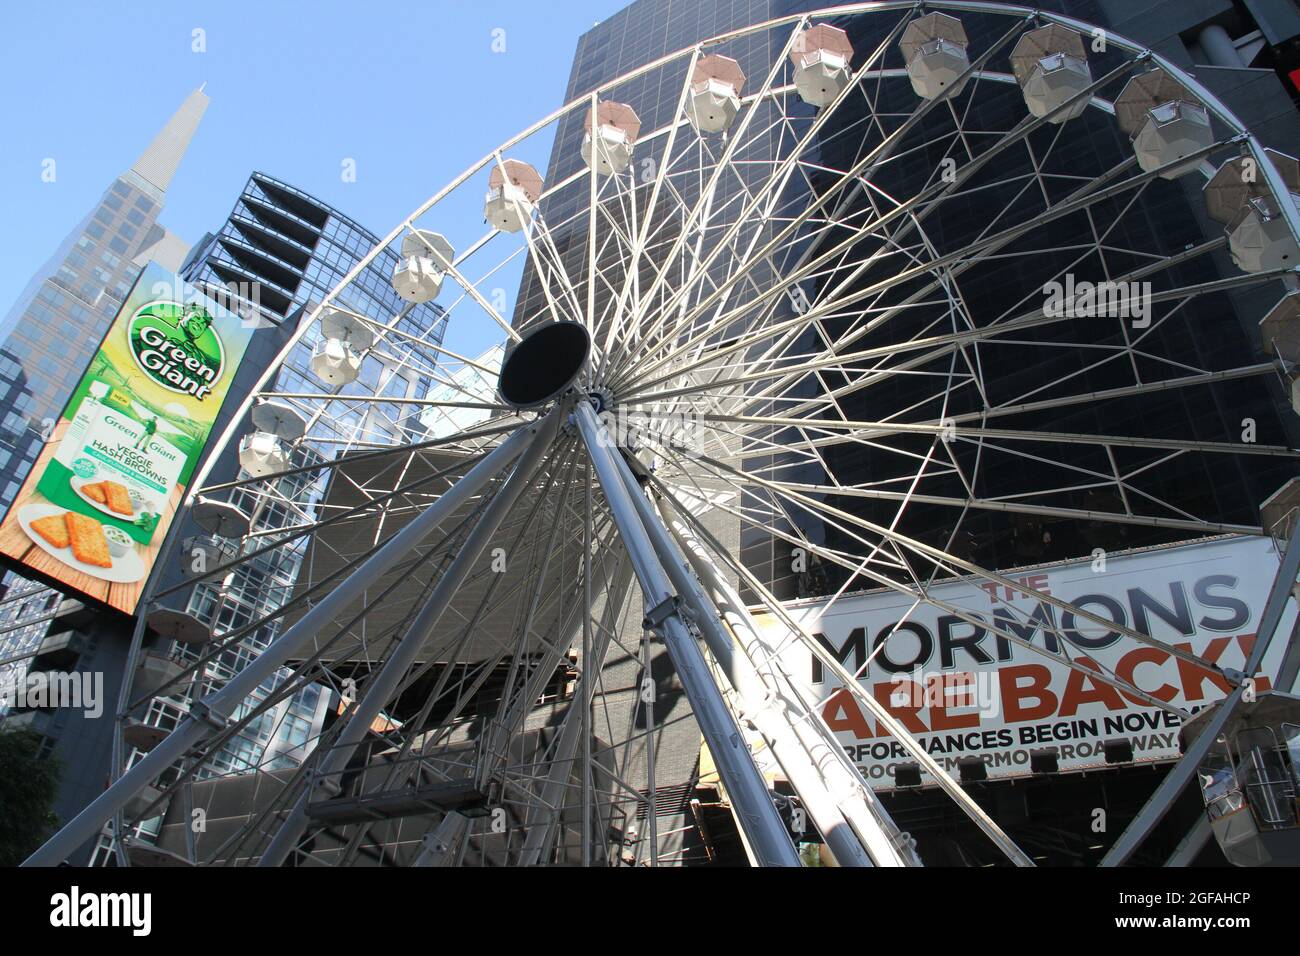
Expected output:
(966, 691)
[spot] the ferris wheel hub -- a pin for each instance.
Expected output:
(544, 364)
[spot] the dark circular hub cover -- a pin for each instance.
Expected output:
(543, 364)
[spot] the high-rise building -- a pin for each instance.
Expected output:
(277, 255)
(55, 325)
(288, 250)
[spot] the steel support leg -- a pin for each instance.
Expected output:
(209, 715)
(442, 845)
(892, 725)
(562, 764)
(380, 689)
(834, 773)
(755, 810)
(759, 705)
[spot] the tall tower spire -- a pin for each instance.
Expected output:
(157, 164)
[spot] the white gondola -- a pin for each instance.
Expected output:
(1279, 331)
(714, 99)
(261, 454)
(1165, 121)
(934, 48)
(1260, 239)
(1238, 196)
(173, 625)
(1227, 191)
(280, 420)
(607, 148)
(1278, 512)
(821, 57)
(220, 518)
(154, 671)
(336, 358)
(1051, 66)
(513, 190)
(335, 362)
(1250, 779)
(425, 258)
(143, 737)
(263, 451)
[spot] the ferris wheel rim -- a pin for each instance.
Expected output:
(497, 155)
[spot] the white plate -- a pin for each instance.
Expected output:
(125, 570)
(137, 502)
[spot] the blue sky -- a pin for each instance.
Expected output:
(413, 92)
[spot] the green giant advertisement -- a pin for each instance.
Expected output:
(93, 512)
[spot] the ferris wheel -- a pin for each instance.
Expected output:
(830, 301)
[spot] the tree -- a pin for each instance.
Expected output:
(28, 786)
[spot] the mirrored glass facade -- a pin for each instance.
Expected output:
(54, 327)
(275, 258)
(281, 251)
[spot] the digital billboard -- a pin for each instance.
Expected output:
(95, 508)
(964, 690)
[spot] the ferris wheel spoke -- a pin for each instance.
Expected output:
(919, 593)
(863, 429)
(930, 553)
(945, 342)
(1079, 194)
(637, 245)
(785, 168)
(735, 141)
(859, 169)
(995, 241)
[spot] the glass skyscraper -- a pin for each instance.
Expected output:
(277, 255)
(51, 331)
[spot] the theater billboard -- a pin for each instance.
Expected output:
(92, 514)
(964, 690)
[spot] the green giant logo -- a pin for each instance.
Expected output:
(176, 346)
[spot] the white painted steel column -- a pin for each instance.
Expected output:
(753, 804)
